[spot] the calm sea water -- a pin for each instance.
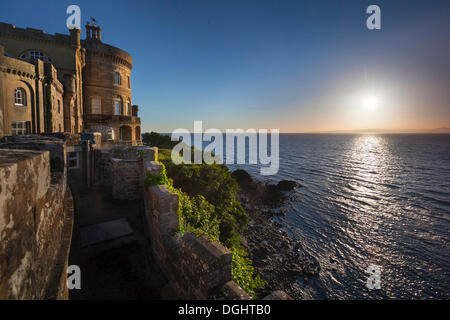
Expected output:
(370, 200)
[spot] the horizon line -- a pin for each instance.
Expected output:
(441, 130)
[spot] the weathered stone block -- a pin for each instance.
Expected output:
(35, 218)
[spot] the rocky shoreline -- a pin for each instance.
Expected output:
(280, 260)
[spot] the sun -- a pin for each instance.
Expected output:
(370, 102)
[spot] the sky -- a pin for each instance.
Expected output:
(297, 66)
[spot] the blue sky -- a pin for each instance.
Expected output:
(294, 65)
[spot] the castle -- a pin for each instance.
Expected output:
(57, 93)
(60, 83)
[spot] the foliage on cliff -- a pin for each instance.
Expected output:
(154, 139)
(215, 183)
(208, 205)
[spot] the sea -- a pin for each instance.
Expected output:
(372, 209)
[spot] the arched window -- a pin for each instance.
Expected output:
(117, 78)
(20, 97)
(35, 55)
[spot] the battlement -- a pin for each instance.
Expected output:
(31, 33)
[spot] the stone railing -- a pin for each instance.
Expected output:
(125, 142)
(107, 118)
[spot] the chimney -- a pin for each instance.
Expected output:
(88, 31)
(135, 110)
(93, 32)
(99, 33)
(75, 34)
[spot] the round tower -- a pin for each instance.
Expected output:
(107, 89)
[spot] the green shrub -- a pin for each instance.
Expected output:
(208, 206)
(243, 272)
(154, 139)
(195, 213)
(157, 179)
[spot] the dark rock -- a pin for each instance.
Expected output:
(272, 196)
(286, 185)
(244, 179)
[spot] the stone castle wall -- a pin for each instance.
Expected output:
(119, 170)
(36, 219)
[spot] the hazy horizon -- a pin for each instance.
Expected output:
(444, 130)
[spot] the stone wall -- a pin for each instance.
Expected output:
(127, 180)
(119, 170)
(36, 217)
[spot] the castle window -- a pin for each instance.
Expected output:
(117, 79)
(118, 106)
(59, 107)
(35, 55)
(72, 160)
(96, 105)
(59, 127)
(18, 128)
(110, 134)
(128, 80)
(20, 97)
